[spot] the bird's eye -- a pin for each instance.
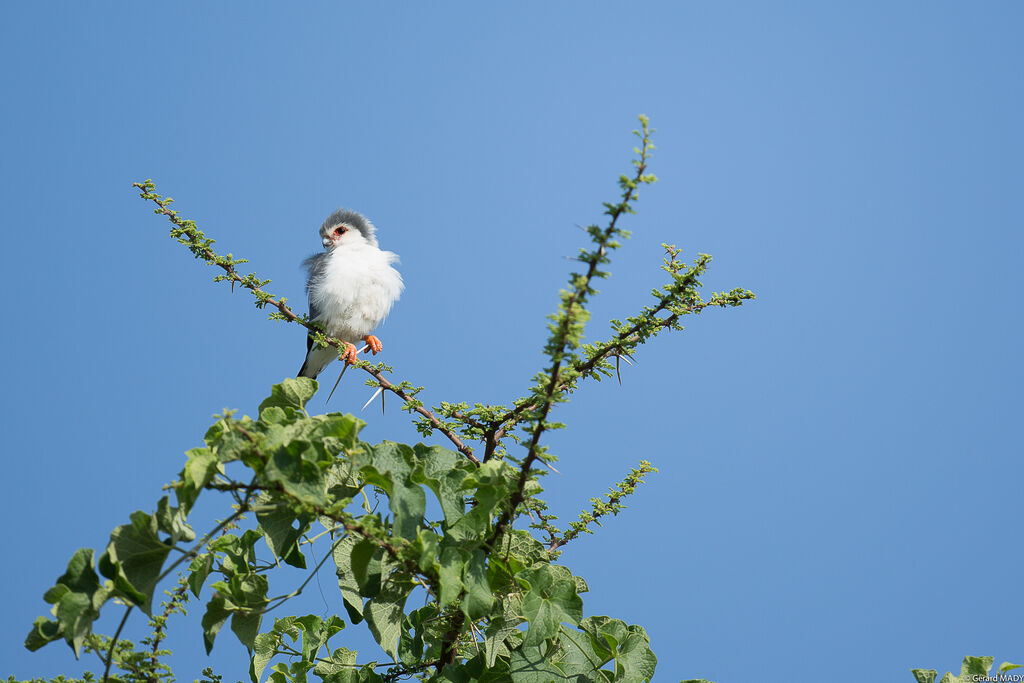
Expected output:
(339, 231)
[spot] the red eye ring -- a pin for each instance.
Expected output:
(339, 231)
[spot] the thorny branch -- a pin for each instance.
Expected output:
(569, 317)
(618, 345)
(187, 233)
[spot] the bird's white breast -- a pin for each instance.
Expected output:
(355, 290)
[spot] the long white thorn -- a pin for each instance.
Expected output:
(342, 374)
(338, 381)
(549, 466)
(379, 390)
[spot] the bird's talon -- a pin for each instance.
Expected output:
(349, 354)
(373, 343)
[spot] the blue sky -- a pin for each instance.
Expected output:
(840, 460)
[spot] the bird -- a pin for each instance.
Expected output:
(351, 288)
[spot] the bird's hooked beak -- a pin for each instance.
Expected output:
(333, 237)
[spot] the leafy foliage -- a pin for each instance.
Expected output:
(496, 605)
(972, 669)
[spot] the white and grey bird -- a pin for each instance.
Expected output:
(351, 288)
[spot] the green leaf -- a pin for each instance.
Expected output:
(227, 443)
(491, 484)
(216, 615)
(629, 646)
(77, 597)
(341, 483)
(81, 577)
(337, 433)
(237, 554)
(341, 668)
(443, 472)
(478, 600)
(976, 666)
(366, 567)
(426, 551)
(316, 632)
(282, 535)
(347, 580)
(420, 622)
(75, 615)
(274, 415)
(43, 631)
(453, 565)
(292, 393)
(295, 466)
(550, 600)
(200, 569)
(385, 613)
(635, 656)
(476, 671)
(246, 625)
(519, 550)
(134, 558)
(390, 467)
(501, 627)
(263, 650)
(244, 591)
(171, 521)
(531, 664)
(199, 470)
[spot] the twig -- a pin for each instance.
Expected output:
(113, 642)
(158, 632)
(434, 421)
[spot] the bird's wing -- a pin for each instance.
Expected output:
(309, 337)
(315, 265)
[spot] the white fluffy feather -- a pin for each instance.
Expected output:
(352, 287)
(355, 290)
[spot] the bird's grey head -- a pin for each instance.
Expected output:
(347, 227)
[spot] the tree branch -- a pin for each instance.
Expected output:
(187, 233)
(562, 335)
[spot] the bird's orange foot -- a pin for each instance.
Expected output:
(373, 343)
(349, 354)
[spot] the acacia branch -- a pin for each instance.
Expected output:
(618, 344)
(602, 508)
(159, 632)
(187, 233)
(625, 341)
(560, 339)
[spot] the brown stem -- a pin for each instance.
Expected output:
(113, 643)
(450, 642)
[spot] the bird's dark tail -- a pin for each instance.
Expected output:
(305, 370)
